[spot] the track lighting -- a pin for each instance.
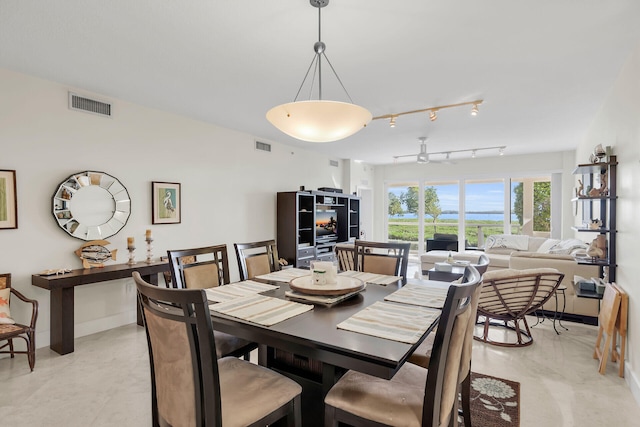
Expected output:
(424, 157)
(433, 111)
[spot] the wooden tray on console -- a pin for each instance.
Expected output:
(344, 285)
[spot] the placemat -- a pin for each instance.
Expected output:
(284, 275)
(378, 279)
(260, 309)
(237, 290)
(396, 322)
(425, 296)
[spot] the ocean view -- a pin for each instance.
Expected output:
(454, 217)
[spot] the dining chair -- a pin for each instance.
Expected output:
(508, 295)
(9, 329)
(415, 396)
(482, 264)
(382, 258)
(207, 267)
(344, 255)
(257, 258)
(189, 385)
(422, 355)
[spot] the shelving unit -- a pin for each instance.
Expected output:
(297, 235)
(604, 206)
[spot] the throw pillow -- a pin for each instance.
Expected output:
(568, 246)
(547, 245)
(507, 241)
(5, 314)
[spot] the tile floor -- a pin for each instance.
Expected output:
(105, 382)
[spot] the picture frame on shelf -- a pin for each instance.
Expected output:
(8, 200)
(166, 203)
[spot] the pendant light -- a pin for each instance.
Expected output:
(319, 120)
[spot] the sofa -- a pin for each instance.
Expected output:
(525, 252)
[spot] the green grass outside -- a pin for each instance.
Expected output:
(406, 230)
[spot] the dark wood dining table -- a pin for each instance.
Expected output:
(310, 349)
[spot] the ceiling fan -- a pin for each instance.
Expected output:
(423, 157)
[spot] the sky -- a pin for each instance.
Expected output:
(479, 196)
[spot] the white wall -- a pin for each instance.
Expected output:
(228, 188)
(478, 168)
(618, 125)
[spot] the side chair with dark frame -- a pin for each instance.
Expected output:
(189, 384)
(257, 258)
(382, 258)
(207, 267)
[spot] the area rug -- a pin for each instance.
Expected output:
(495, 402)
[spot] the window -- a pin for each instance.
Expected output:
(531, 206)
(441, 208)
(403, 202)
(484, 210)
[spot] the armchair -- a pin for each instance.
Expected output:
(9, 329)
(509, 295)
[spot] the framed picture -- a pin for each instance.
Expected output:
(8, 199)
(166, 204)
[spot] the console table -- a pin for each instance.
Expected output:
(62, 295)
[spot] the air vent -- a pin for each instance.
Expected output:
(80, 103)
(334, 163)
(263, 146)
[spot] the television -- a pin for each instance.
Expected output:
(326, 224)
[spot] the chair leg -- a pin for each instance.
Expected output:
(31, 350)
(465, 391)
(11, 347)
(329, 416)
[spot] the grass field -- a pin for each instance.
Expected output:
(406, 229)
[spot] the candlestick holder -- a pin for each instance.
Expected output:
(132, 250)
(149, 250)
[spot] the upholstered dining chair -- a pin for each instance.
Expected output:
(508, 295)
(422, 355)
(415, 396)
(9, 329)
(482, 264)
(189, 385)
(257, 258)
(382, 258)
(207, 267)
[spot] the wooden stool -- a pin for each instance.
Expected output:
(607, 318)
(620, 329)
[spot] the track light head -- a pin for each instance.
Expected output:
(473, 154)
(474, 110)
(501, 151)
(392, 122)
(433, 115)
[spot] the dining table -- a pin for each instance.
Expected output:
(311, 349)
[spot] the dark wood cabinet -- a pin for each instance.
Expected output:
(310, 223)
(601, 206)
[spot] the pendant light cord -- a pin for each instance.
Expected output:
(319, 49)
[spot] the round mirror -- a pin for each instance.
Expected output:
(91, 205)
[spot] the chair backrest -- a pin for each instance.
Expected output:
(5, 280)
(382, 258)
(257, 258)
(482, 264)
(446, 363)
(199, 268)
(184, 372)
(345, 255)
(510, 293)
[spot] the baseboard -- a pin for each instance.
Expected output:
(43, 338)
(632, 380)
(570, 317)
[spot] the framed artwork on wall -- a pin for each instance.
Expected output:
(8, 200)
(166, 204)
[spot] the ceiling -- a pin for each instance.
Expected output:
(542, 68)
